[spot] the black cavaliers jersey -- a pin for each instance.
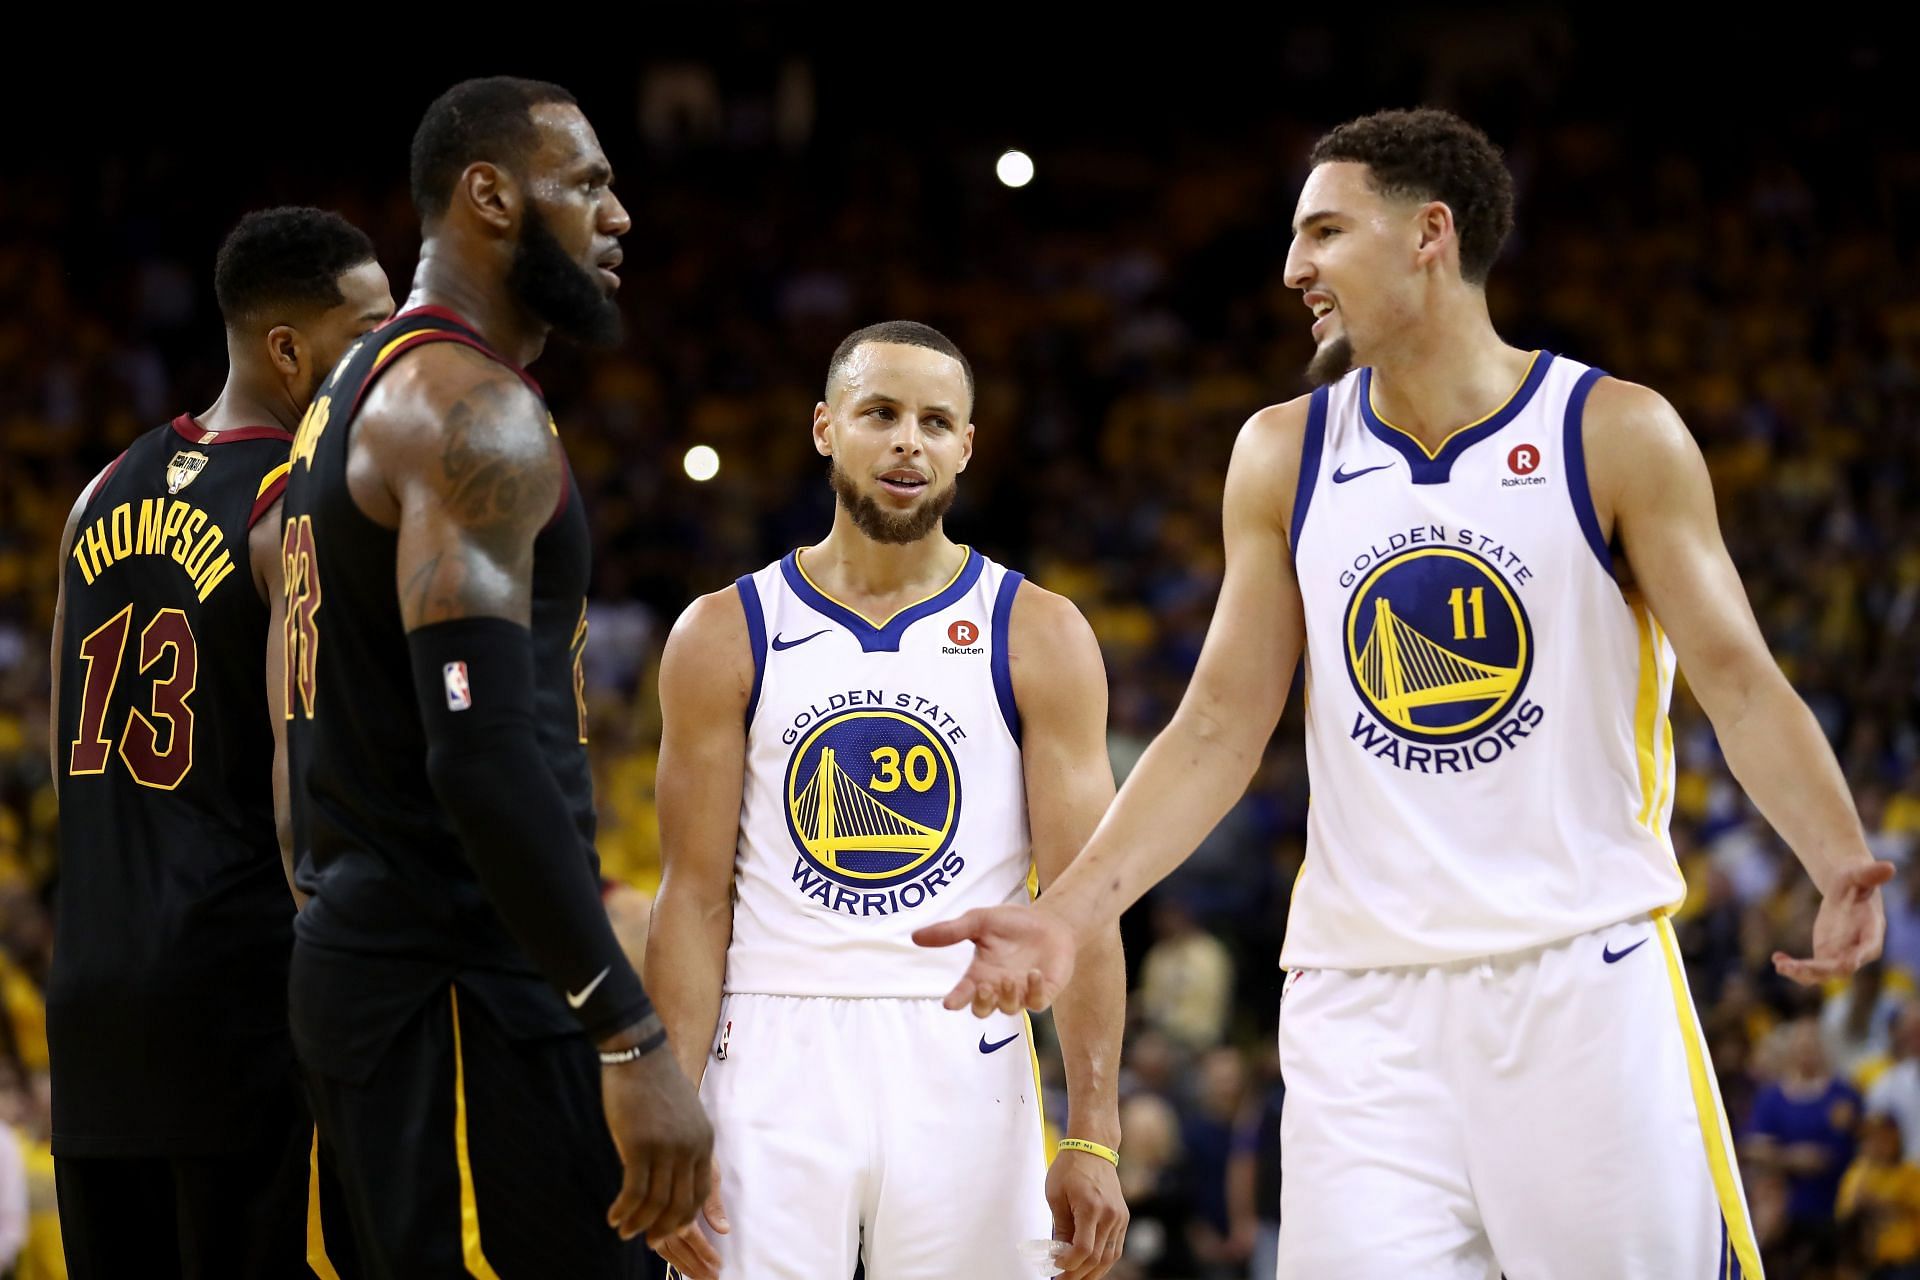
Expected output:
(380, 857)
(166, 1004)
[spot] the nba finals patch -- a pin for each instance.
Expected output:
(184, 469)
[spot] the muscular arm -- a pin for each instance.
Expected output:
(1650, 485)
(1060, 688)
(269, 579)
(706, 677)
(466, 452)
(1202, 762)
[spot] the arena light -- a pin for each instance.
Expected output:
(1014, 168)
(702, 463)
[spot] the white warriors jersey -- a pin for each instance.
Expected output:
(1486, 720)
(884, 788)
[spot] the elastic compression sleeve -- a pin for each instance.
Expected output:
(473, 678)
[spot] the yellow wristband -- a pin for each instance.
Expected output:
(1108, 1154)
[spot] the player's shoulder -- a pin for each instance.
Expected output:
(1047, 635)
(1280, 423)
(1271, 440)
(1629, 422)
(708, 667)
(709, 628)
(439, 390)
(1265, 469)
(1039, 610)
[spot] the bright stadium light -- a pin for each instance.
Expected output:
(1014, 168)
(702, 463)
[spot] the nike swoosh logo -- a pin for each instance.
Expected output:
(778, 643)
(1341, 475)
(1611, 956)
(577, 998)
(997, 1044)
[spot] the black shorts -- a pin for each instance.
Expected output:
(462, 1150)
(250, 1214)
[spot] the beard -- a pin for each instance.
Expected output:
(558, 291)
(896, 527)
(1332, 362)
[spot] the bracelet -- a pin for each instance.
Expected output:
(620, 1057)
(1108, 1154)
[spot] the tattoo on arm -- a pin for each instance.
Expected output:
(478, 506)
(480, 484)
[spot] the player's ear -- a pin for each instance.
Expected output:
(822, 430)
(286, 350)
(966, 447)
(491, 193)
(1434, 223)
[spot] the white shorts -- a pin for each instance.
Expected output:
(1551, 1114)
(888, 1130)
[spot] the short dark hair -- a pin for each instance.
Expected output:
(485, 119)
(1429, 154)
(286, 258)
(906, 333)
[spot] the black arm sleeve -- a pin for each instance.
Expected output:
(473, 679)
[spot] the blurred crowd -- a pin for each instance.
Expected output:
(1125, 314)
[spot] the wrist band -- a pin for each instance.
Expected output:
(1108, 1154)
(620, 1057)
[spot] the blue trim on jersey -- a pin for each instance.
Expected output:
(880, 639)
(1002, 667)
(1310, 451)
(756, 636)
(1439, 469)
(1573, 445)
(1311, 446)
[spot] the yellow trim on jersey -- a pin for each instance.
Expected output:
(1433, 454)
(476, 1261)
(266, 481)
(388, 349)
(1039, 1098)
(965, 560)
(317, 1259)
(1665, 728)
(1646, 714)
(1706, 1104)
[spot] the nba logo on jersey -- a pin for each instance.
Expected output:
(459, 693)
(184, 469)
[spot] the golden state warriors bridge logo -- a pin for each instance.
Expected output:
(1439, 648)
(873, 799)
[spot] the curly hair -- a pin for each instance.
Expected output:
(489, 118)
(1429, 154)
(286, 258)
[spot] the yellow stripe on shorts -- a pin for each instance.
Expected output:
(470, 1253)
(1713, 1121)
(317, 1259)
